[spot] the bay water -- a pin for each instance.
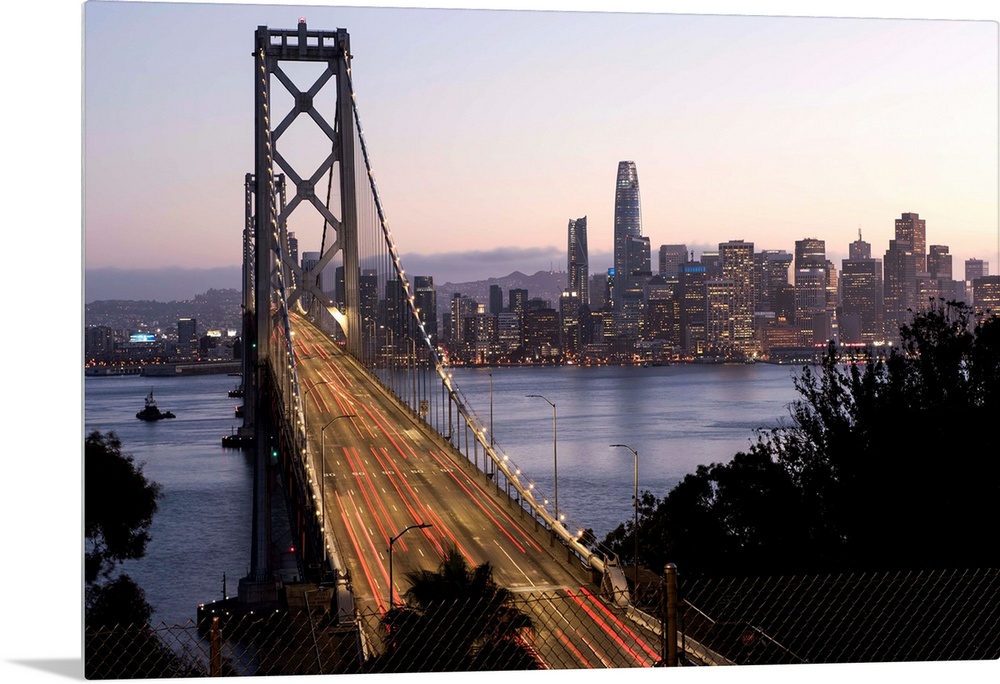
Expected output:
(674, 417)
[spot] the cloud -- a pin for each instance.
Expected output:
(458, 267)
(161, 284)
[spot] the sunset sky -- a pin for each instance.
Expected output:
(489, 130)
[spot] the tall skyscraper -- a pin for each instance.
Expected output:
(859, 249)
(719, 317)
(368, 299)
(940, 283)
(692, 282)
(861, 300)
(810, 284)
(578, 266)
(628, 221)
(900, 286)
(425, 298)
(913, 229)
(939, 262)
(737, 268)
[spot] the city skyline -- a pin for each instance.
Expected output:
(724, 116)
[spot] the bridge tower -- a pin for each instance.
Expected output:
(272, 280)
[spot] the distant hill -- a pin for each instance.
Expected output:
(213, 310)
(183, 285)
(546, 285)
(160, 284)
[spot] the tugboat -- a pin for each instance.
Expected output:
(151, 412)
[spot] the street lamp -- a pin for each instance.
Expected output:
(635, 521)
(392, 541)
(555, 456)
(322, 479)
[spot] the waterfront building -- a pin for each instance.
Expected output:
(737, 268)
(899, 290)
(691, 282)
(662, 310)
(628, 221)
(578, 263)
(98, 342)
(861, 300)
(509, 337)
(480, 336)
(541, 331)
(569, 315)
(810, 283)
(719, 317)
(187, 332)
(462, 308)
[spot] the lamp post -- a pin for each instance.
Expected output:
(322, 478)
(555, 456)
(635, 521)
(393, 541)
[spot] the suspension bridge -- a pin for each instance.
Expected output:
(346, 395)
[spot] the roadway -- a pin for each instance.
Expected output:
(383, 471)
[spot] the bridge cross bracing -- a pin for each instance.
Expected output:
(361, 348)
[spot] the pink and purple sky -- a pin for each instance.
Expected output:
(489, 130)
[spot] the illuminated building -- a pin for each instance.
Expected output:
(628, 222)
(737, 268)
(578, 266)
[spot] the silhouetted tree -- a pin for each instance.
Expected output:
(119, 503)
(455, 619)
(887, 463)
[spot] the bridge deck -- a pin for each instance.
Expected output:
(384, 470)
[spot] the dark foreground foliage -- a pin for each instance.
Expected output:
(119, 503)
(886, 463)
(456, 620)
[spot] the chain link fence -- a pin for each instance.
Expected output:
(851, 618)
(855, 618)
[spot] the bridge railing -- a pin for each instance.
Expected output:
(402, 354)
